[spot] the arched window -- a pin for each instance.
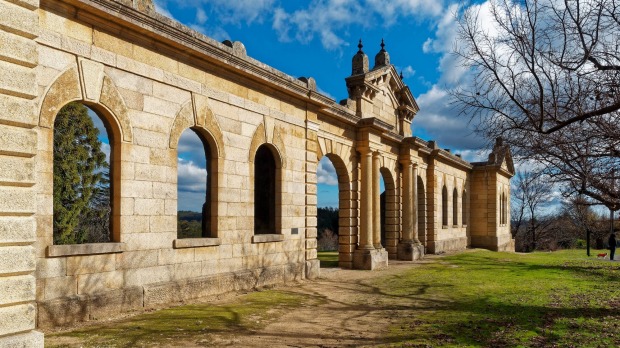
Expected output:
(264, 191)
(501, 208)
(455, 207)
(444, 206)
(195, 186)
(465, 214)
(84, 173)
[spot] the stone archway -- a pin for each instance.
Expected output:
(422, 229)
(347, 236)
(390, 230)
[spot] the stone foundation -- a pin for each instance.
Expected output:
(70, 310)
(410, 251)
(370, 259)
(453, 244)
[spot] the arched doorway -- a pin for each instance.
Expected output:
(335, 213)
(422, 233)
(390, 234)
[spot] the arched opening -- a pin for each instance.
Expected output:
(501, 208)
(465, 215)
(390, 234)
(265, 191)
(422, 212)
(455, 207)
(444, 206)
(86, 157)
(334, 213)
(195, 185)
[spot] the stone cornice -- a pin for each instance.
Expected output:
(172, 38)
(375, 123)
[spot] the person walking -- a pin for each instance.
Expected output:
(612, 245)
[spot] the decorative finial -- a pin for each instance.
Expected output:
(359, 45)
(401, 75)
(382, 46)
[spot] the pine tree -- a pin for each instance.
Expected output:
(80, 168)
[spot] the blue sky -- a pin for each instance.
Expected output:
(318, 38)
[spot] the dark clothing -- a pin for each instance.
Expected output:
(612, 246)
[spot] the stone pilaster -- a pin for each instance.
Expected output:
(312, 262)
(376, 201)
(19, 27)
(409, 248)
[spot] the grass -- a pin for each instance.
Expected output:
(560, 299)
(471, 299)
(189, 323)
(329, 259)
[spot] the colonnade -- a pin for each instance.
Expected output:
(370, 254)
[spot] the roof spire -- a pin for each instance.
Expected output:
(401, 75)
(360, 61)
(382, 58)
(382, 46)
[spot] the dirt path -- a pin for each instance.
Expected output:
(344, 310)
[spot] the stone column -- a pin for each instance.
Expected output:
(366, 202)
(410, 248)
(414, 215)
(376, 200)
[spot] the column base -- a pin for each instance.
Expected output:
(410, 251)
(370, 259)
(313, 269)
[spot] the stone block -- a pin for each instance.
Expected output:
(17, 80)
(19, 20)
(62, 312)
(17, 111)
(17, 259)
(17, 318)
(17, 170)
(134, 224)
(17, 289)
(91, 264)
(112, 303)
(187, 270)
(148, 206)
(51, 267)
(270, 276)
(150, 275)
(17, 141)
(370, 259)
(99, 282)
(137, 189)
(60, 287)
(18, 50)
(17, 229)
(174, 256)
(147, 241)
(137, 259)
(32, 339)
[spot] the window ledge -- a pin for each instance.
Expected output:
(267, 238)
(195, 242)
(455, 226)
(464, 226)
(84, 249)
(444, 226)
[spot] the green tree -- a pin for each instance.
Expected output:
(80, 180)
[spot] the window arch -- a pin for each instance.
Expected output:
(196, 185)
(444, 206)
(86, 165)
(464, 215)
(266, 191)
(455, 207)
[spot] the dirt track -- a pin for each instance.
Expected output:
(344, 311)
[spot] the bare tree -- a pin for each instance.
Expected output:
(547, 79)
(581, 215)
(532, 190)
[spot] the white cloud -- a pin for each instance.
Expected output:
(325, 19)
(326, 173)
(191, 178)
(105, 148)
(407, 71)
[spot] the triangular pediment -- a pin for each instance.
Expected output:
(384, 88)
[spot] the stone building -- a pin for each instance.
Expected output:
(149, 79)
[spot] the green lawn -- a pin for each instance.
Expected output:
(559, 299)
(329, 259)
(472, 299)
